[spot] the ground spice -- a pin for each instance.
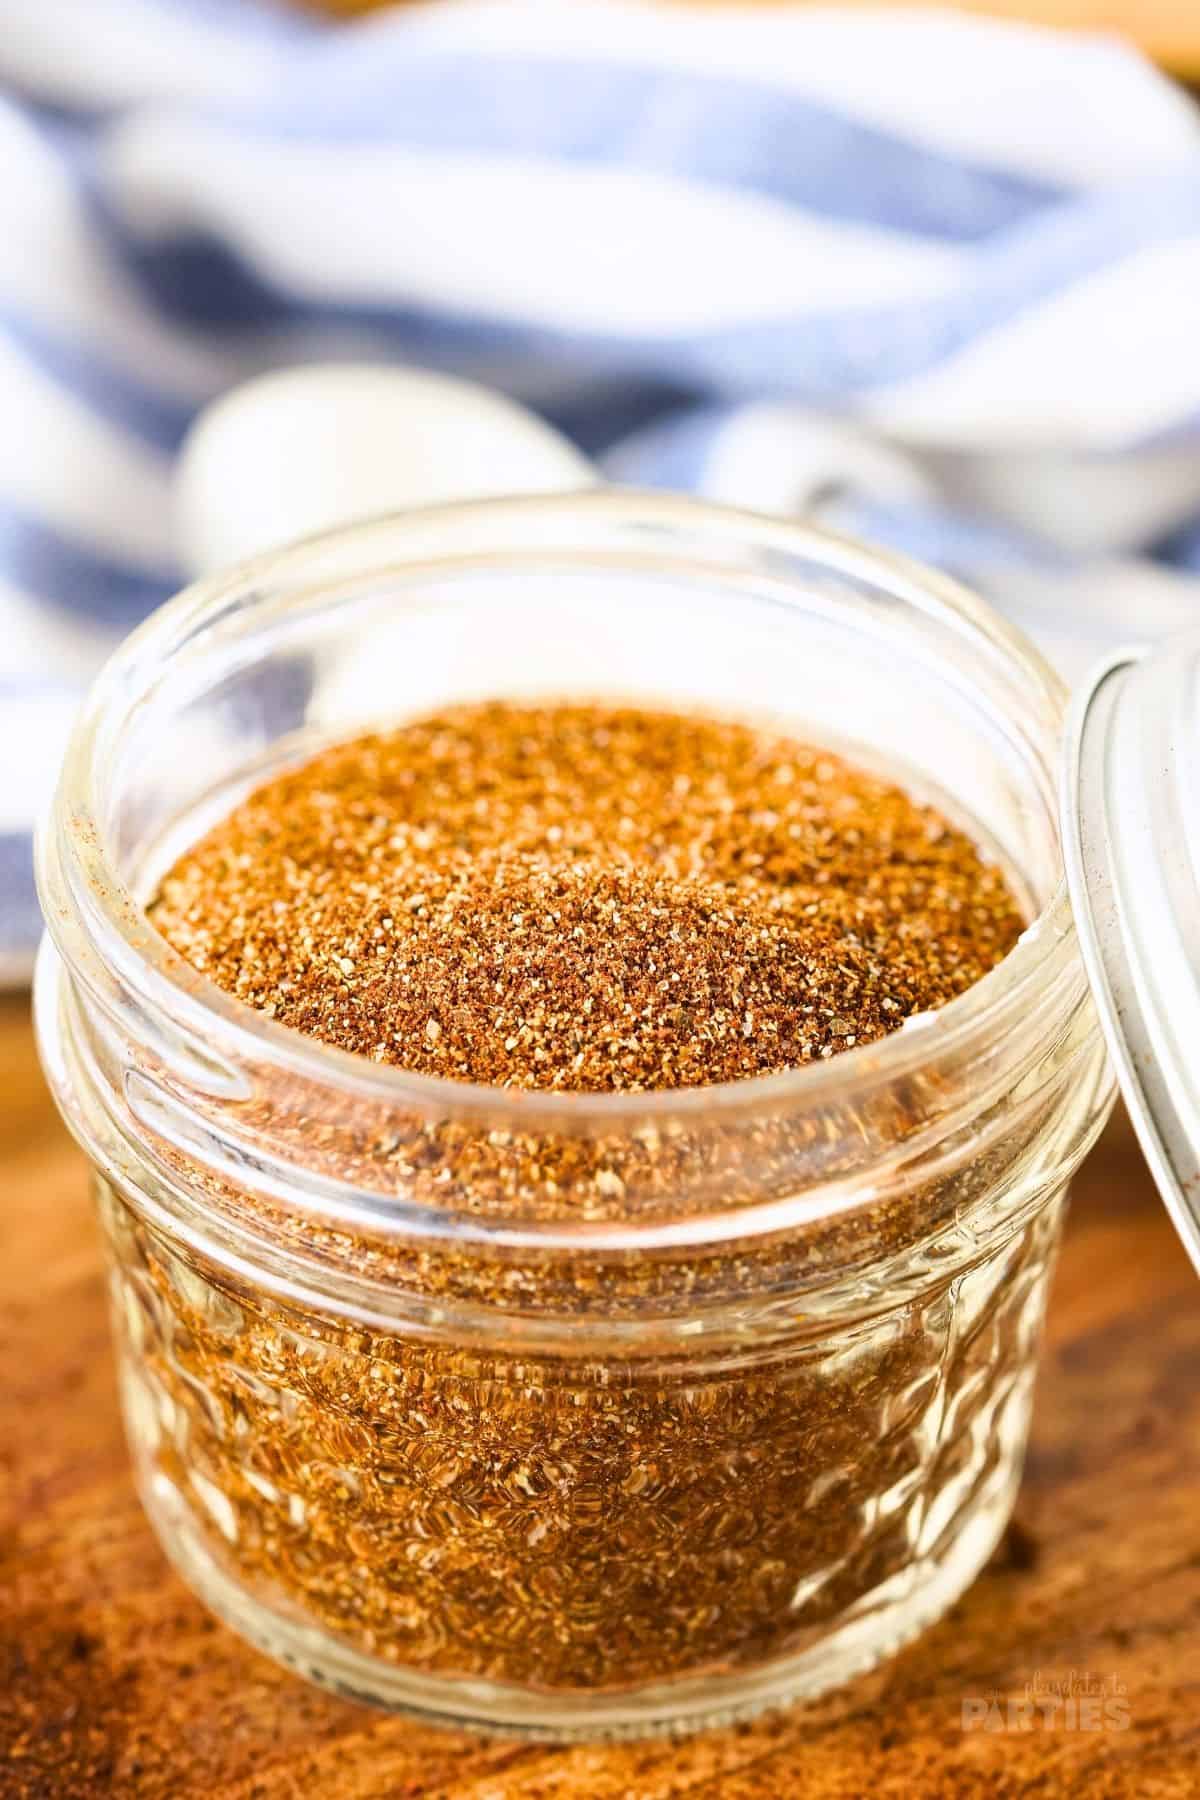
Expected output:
(589, 898)
(595, 899)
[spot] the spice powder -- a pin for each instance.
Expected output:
(583, 898)
(574, 897)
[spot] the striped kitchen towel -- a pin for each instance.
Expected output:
(935, 278)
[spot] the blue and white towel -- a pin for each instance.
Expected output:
(936, 277)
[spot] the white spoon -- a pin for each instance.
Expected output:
(307, 448)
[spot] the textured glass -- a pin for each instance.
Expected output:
(475, 1447)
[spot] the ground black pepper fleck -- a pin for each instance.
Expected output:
(593, 899)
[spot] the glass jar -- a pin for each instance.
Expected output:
(568, 1414)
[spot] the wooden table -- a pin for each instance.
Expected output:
(113, 1681)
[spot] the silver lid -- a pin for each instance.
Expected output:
(1131, 842)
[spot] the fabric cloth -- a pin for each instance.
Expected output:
(932, 277)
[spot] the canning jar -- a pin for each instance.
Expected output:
(569, 1414)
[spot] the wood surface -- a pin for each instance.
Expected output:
(1168, 30)
(113, 1681)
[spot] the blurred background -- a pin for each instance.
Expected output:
(927, 275)
(1166, 29)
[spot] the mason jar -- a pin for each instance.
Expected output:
(569, 1414)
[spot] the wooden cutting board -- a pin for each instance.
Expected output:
(115, 1682)
(1168, 30)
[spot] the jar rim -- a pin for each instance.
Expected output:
(75, 863)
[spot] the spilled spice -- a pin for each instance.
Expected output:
(587, 898)
(594, 899)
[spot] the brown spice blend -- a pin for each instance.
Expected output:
(586, 898)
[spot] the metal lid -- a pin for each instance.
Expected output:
(1131, 842)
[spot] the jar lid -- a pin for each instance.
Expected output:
(1130, 807)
